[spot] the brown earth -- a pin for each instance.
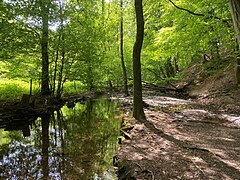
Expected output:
(186, 139)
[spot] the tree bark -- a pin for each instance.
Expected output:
(60, 43)
(235, 12)
(138, 112)
(44, 44)
(55, 65)
(90, 77)
(60, 75)
(125, 81)
(103, 8)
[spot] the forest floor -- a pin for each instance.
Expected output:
(186, 138)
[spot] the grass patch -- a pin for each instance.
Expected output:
(73, 87)
(12, 89)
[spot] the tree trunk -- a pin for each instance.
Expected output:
(138, 112)
(176, 67)
(59, 43)
(55, 66)
(60, 76)
(235, 11)
(169, 68)
(103, 8)
(121, 52)
(89, 77)
(44, 44)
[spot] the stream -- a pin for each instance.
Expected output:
(76, 142)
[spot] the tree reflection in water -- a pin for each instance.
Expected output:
(76, 143)
(45, 144)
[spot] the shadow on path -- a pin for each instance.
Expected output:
(206, 155)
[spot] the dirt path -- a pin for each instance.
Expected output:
(181, 140)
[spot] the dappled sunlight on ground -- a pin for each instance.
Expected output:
(165, 101)
(234, 121)
(182, 140)
(146, 144)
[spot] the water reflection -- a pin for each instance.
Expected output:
(76, 143)
(45, 145)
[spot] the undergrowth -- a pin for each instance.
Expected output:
(73, 87)
(13, 89)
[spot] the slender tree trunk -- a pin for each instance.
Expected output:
(60, 73)
(169, 68)
(44, 44)
(90, 78)
(176, 67)
(103, 8)
(55, 66)
(138, 112)
(121, 52)
(235, 12)
(59, 43)
(60, 77)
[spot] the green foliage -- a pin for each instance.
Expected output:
(84, 40)
(176, 33)
(74, 87)
(14, 89)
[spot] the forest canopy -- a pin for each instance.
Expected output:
(60, 41)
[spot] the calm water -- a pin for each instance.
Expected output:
(76, 143)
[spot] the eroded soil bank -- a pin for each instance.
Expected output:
(181, 139)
